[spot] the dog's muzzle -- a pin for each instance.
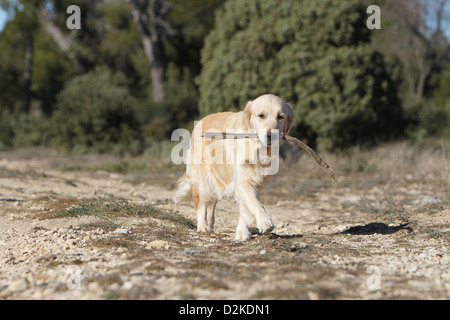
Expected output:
(273, 137)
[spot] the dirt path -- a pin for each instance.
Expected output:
(100, 235)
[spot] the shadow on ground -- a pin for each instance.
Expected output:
(376, 228)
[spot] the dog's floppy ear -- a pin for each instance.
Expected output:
(248, 112)
(289, 118)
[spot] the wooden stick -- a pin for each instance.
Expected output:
(312, 153)
(228, 135)
(299, 143)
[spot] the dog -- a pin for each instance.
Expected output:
(235, 168)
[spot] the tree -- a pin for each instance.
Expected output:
(316, 55)
(80, 46)
(27, 22)
(12, 67)
(415, 37)
(149, 17)
(95, 112)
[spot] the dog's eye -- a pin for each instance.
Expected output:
(280, 116)
(261, 115)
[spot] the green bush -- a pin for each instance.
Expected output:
(6, 131)
(427, 119)
(18, 130)
(95, 113)
(315, 55)
(178, 109)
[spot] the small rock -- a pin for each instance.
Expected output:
(71, 242)
(114, 176)
(121, 231)
(18, 285)
(412, 268)
(127, 285)
(158, 244)
(192, 251)
(312, 295)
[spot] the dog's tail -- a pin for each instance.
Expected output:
(184, 189)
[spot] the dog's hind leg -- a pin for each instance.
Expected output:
(210, 218)
(201, 217)
(205, 216)
(204, 210)
(200, 209)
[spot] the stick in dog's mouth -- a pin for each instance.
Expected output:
(299, 143)
(312, 153)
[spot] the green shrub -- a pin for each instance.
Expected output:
(427, 119)
(179, 108)
(95, 113)
(6, 131)
(18, 130)
(315, 55)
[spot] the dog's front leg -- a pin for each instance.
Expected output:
(245, 219)
(248, 200)
(242, 232)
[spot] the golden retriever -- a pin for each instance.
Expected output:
(235, 168)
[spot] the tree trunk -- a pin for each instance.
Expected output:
(65, 43)
(145, 15)
(28, 72)
(421, 84)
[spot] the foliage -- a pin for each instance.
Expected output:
(19, 130)
(95, 111)
(427, 118)
(109, 40)
(343, 90)
(6, 131)
(91, 89)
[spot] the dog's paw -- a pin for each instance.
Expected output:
(243, 235)
(266, 226)
(205, 229)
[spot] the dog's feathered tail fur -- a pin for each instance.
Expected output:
(184, 189)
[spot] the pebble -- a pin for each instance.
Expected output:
(127, 285)
(122, 231)
(18, 285)
(38, 264)
(192, 251)
(158, 244)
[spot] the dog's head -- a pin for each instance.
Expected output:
(270, 117)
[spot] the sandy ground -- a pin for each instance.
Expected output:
(68, 231)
